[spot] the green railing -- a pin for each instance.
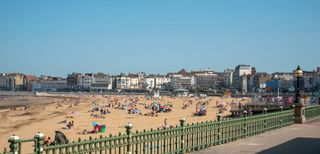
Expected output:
(180, 139)
(312, 112)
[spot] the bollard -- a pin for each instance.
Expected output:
(39, 143)
(281, 108)
(14, 144)
(129, 134)
(182, 125)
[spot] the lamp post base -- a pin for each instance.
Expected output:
(300, 120)
(299, 113)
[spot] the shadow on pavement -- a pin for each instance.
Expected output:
(296, 146)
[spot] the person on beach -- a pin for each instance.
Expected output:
(47, 141)
(165, 124)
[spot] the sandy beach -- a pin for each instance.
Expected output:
(43, 114)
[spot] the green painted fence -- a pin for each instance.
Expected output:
(312, 112)
(180, 139)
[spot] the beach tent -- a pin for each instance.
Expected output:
(59, 138)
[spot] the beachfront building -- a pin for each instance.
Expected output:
(72, 80)
(258, 81)
(160, 81)
(50, 84)
(205, 80)
(3, 81)
(127, 82)
(286, 78)
(29, 80)
(156, 82)
(141, 76)
(228, 77)
(101, 83)
(13, 81)
(122, 82)
(244, 84)
(310, 81)
(85, 81)
(55, 85)
(240, 79)
(282, 81)
(149, 83)
(182, 82)
(133, 82)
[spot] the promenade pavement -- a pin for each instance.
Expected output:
(294, 139)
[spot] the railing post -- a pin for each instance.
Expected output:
(182, 125)
(245, 129)
(219, 128)
(39, 143)
(281, 119)
(14, 144)
(129, 135)
(265, 110)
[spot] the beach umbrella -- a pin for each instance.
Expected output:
(95, 123)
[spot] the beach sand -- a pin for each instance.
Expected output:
(42, 114)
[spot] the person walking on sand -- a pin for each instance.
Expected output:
(197, 107)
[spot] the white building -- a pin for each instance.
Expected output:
(204, 79)
(85, 81)
(50, 85)
(228, 77)
(130, 82)
(160, 81)
(133, 82)
(185, 82)
(238, 81)
(101, 83)
(155, 82)
(149, 83)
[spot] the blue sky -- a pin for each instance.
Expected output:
(59, 37)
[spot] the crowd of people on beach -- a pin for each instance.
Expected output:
(138, 106)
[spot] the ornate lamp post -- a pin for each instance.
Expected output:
(299, 106)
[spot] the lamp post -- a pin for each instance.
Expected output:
(299, 105)
(298, 74)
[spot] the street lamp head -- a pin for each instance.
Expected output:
(298, 72)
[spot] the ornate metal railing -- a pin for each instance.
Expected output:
(180, 139)
(312, 112)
